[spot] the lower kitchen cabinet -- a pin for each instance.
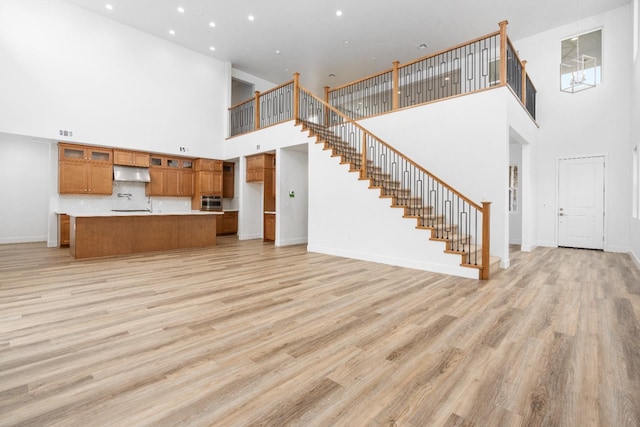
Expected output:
(227, 223)
(64, 225)
(269, 227)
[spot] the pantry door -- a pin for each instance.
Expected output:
(581, 202)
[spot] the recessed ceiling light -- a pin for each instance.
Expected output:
(109, 6)
(172, 32)
(212, 24)
(422, 46)
(338, 13)
(278, 52)
(332, 75)
(251, 18)
(180, 9)
(211, 48)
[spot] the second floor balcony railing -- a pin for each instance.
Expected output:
(469, 67)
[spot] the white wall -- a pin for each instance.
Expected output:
(635, 123)
(66, 68)
(596, 121)
(292, 174)
(25, 189)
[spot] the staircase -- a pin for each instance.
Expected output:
(449, 217)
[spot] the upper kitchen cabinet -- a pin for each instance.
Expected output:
(85, 170)
(130, 158)
(258, 165)
(170, 176)
(208, 177)
(228, 180)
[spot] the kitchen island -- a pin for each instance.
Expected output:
(102, 234)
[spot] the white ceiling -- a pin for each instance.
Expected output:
(312, 40)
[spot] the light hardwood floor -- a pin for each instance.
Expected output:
(249, 334)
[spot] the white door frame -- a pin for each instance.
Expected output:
(605, 156)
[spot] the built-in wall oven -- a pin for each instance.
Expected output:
(211, 203)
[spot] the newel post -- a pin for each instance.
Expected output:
(524, 83)
(486, 240)
(396, 86)
(296, 97)
(257, 117)
(503, 52)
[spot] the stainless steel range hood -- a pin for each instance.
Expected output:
(131, 174)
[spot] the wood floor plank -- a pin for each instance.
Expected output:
(251, 334)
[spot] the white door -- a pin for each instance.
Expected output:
(581, 203)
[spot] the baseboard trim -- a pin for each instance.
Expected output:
(249, 236)
(292, 242)
(30, 239)
(472, 273)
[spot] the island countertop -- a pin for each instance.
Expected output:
(101, 234)
(138, 213)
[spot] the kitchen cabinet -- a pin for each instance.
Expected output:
(208, 177)
(270, 190)
(84, 170)
(227, 223)
(130, 158)
(228, 180)
(208, 183)
(178, 183)
(93, 236)
(210, 165)
(207, 180)
(269, 233)
(64, 226)
(257, 165)
(170, 176)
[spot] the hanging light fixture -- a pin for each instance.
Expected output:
(579, 73)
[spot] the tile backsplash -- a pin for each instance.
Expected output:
(126, 195)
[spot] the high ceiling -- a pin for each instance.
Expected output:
(329, 50)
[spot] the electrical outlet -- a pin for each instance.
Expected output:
(257, 146)
(64, 132)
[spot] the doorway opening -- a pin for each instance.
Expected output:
(241, 91)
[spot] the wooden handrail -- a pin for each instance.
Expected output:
(253, 98)
(241, 103)
(381, 141)
(390, 70)
(266, 92)
(458, 46)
